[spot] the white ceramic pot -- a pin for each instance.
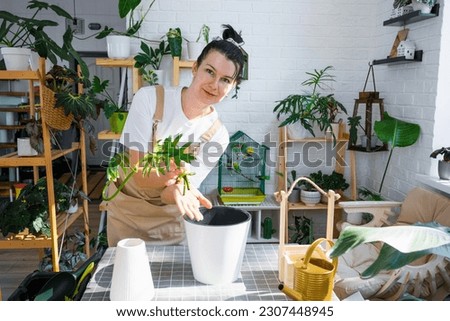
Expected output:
(297, 131)
(217, 244)
(118, 47)
(24, 147)
(132, 278)
(355, 218)
(16, 58)
(310, 198)
(195, 49)
(423, 7)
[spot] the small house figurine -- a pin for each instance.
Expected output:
(242, 171)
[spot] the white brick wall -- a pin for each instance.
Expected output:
(286, 38)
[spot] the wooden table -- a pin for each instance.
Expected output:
(174, 281)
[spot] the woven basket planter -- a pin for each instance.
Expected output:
(53, 116)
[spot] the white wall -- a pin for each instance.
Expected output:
(285, 39)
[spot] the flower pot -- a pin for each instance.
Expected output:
(297, 131)
(355, 218)
(24, 147)
(195, 49)
(423, 7)
(16, 58)
(131, 278)
(117, 121)
(118, 47)
(310, 198)
(217, 244)
(444, 170)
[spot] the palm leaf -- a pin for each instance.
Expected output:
(403, 244)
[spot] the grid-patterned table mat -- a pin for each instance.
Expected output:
(174, 281)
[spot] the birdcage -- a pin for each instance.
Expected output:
(242, 171)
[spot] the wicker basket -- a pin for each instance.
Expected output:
(314, 277)
(54, 117)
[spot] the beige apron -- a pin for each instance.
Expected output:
(138, 212)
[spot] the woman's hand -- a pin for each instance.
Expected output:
(189, 203)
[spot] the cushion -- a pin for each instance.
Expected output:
(422, 205)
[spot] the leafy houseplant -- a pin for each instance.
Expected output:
(303, 230)
(312, 107)
(396, 133)
(128, 7)
(159, 160)
(30, 209)
(28, 32)
(424, 6)
(334, 181)
(175, 41)
(115, 113)
(195, 47)
(153, 58)
(444, 163)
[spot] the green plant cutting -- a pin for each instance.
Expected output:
(159, 160)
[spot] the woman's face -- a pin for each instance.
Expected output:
(213, 78)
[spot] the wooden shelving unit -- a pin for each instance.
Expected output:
(177, 65)
(58, 221)
(341, 150)
(123, 63)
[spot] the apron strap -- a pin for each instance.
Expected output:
(159, 111)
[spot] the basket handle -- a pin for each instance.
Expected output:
(311, 250)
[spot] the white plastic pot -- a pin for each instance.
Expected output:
(217, 244)
(118, 47)
(195, 49)
(16, 58)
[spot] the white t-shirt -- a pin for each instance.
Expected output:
(137, 133)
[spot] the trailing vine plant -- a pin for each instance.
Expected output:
(165, 152)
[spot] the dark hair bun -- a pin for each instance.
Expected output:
(229, 32)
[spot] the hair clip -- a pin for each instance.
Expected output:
(240, 44)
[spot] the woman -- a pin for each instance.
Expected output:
(151, 207)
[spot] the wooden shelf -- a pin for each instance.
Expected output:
(108, 135)
(177, 65)
(417, 58)
(412, 17)
(57, 221)
(123, 63)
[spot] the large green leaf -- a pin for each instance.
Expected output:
(397, 133)
(403, 244)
